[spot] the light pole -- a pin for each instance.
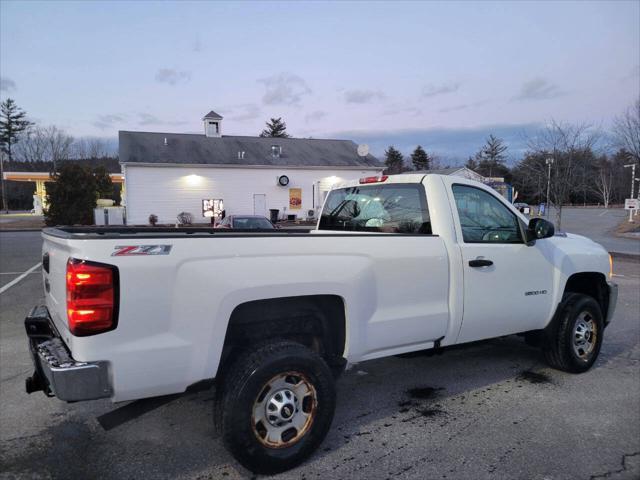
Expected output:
(633, 184)
(549, 162)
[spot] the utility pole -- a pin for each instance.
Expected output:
(549, 162)
(633, 184)
(4, 195)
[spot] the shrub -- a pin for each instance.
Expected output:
(71, 198)
(153, 219)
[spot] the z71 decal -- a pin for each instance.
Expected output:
(131, 250)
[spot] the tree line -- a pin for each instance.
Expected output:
(581, 171)
(27, 146)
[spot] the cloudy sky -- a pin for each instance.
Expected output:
(444, 75)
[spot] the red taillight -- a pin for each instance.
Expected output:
(91, 297)
(382, 178)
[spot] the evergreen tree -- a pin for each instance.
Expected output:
(420, 159)
(394, 161)
(491, 157)
(12, 123)
(72, 196)
(471, 164)
(276, 128)
(104, 185)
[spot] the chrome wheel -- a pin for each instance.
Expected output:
(284, 410)
(585, 335)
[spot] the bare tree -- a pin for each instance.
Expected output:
(59, 144)
(626, 129)
(568, 145)
(33, 146)
(603, 182)
(93, 148)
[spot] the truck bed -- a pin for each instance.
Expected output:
(96, 232)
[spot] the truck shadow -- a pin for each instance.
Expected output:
(177, 437)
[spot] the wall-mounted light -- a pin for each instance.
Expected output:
(193, 180)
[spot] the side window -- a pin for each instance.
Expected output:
(484, 218)
(390, 208)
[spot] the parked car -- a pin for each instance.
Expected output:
(522, 207)
(246, 222)
(396, 264)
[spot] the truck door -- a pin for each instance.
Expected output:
(507, 284)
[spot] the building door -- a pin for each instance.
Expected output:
(260, 204)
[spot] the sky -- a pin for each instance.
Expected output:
(443, 75)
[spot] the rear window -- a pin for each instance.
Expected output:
(251, 222)
(391, 208)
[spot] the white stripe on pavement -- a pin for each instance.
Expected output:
(17, 280)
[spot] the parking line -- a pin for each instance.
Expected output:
(17, 280)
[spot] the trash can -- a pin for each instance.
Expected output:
(273, 214)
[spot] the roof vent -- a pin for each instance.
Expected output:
(240, 155)
(165, 141)
(276, 151)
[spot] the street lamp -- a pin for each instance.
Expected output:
(549, 162)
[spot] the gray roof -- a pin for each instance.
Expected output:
(212, 115)
(197, 149)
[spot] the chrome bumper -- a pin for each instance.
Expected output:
(56, 372)
(613, 299)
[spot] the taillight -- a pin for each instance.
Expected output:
(92, 297)
(382, 178)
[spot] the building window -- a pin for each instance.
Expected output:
(215, 126)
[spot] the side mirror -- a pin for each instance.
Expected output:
(539, 228)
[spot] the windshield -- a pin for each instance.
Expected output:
(251, 222)
(391, 208)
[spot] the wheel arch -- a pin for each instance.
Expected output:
(593, 284)
(317, 321)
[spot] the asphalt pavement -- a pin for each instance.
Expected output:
(491, 410)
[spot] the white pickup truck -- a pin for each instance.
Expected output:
(396, 264)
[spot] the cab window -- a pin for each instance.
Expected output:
(391, 208)
(484, 218)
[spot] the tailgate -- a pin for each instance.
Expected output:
(55, 253)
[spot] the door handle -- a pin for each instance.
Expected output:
(480, 262)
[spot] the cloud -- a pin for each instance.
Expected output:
(150, 119)
(104, 122)
(172, 76)
(363, 96)
(7, 85)
(538, 89)
(402, 110)
(435, 90)
(463, 106)
(242, 112)
(315, 116)
(284, 89)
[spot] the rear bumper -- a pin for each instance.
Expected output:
(613, 300)
(56, 372)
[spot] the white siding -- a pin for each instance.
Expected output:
(167, 191)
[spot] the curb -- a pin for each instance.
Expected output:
(634, 257)
(21, 229)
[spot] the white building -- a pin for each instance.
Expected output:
(169, 173)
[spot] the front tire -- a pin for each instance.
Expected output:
(277, 406)
(576, 337)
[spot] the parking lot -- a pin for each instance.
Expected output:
(487, 410)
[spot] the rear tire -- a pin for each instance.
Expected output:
(276, 406)
(576, 337)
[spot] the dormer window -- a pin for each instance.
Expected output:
(276, 151)
(214, 127)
